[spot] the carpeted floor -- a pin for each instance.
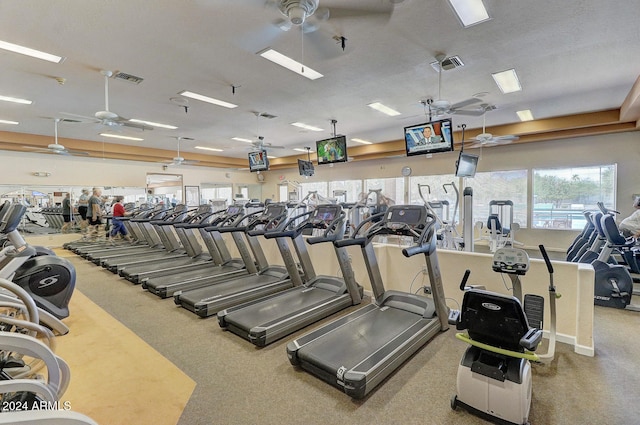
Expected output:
(237, 383)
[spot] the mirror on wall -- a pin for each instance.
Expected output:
(166, 188)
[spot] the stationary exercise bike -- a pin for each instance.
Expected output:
(494, 375)
(49, 280)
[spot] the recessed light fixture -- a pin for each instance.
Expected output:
(290, 64)
(16, 100)
(240, 139)
(507, 81)
(525, 115)
(154, 124)
(9, 122)
(207, 99)
(306, 126)
(384, 109)
(117, 136)
(30, 52)
(204, 148)
(364, 142)
(470, 12)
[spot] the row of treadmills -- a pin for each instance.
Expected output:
(182, 253)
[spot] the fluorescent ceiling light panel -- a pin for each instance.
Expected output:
(154, 124)
(384, 109)
(117, 136)
(304, 150)
(364, 142)
(525, 115)
(507, 81)
(203, 98)
(290, 64)
(470, 12)
(240, 139)
(9, 122)
(30, 52)
(16, 100)
(272, 157)
(306, 126)
(204, 148)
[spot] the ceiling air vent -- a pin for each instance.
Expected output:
(127, 77)
(448, 63)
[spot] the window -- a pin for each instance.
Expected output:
(500, 186)
(560, 195)
(352, 187)
(391, 188)
(320, 187)
(433, 189)
(216, 193)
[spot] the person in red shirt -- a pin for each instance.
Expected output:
(117, 224)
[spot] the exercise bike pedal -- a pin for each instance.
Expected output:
(534, 309)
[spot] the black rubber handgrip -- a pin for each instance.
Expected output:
(413, 250)
(319, 239)
(463, 284)
(351, 241)
(546, 258)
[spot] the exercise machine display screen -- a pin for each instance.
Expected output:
(412, 215)
(326, 213)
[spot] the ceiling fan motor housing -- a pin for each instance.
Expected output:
(297, 10)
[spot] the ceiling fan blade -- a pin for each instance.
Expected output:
(83, 118)
(475, 146)
(466, 103)
(469, 112)
(140, 126)
(507, 138)
(77, 153)
(376, 12)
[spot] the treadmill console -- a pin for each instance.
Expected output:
(325, 214)
(274, 210)
(511, 260)
(400, 217)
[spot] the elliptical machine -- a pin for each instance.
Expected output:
(49, 280)
(494, 375)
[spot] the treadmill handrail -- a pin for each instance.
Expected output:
(284, 232)
(277, 221)
(232, 223)
(332, 233)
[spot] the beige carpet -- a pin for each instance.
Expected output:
(117, 378)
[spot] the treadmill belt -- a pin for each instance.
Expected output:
(349, 345)
(286, 303)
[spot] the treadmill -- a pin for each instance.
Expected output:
(208, 300)
(358, 351)
(268, 319)
(165, 244)
(144, 232)
(192, 249)
(199, 259)
(225, 268)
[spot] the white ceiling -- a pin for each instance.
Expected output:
(572, 56)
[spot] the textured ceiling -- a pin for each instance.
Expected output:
(572, 57)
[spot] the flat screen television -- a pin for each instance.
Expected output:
(429, 137)
(466, 165)
(332, 150)
(305, 168)
(258, 161)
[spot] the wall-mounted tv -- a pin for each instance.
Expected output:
(305, 168)
(466, 165)
(332, 150)
(429, 137)
(258, 161)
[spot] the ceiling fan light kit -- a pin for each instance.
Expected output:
(297, 10)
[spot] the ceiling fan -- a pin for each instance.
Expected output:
(260, 144)
(57, 148)
(108, 118)
(488, 139)
(309, 15)
(179, 160)
(444, 107)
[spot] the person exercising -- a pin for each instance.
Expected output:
(94, 213)
(630, 226)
